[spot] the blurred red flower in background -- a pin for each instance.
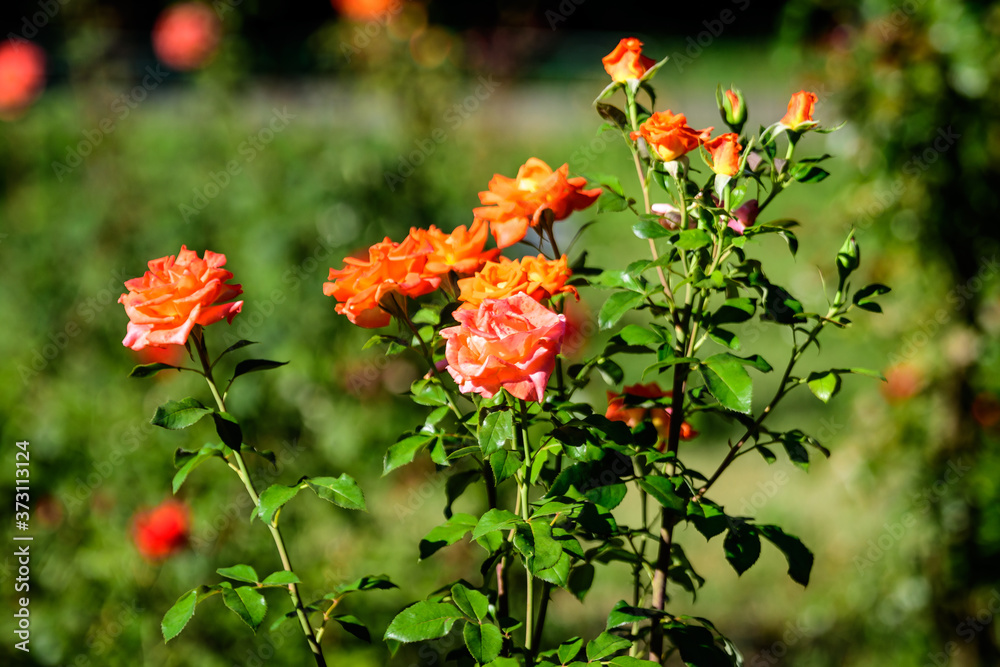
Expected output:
(365, 10)
(162, 531)
(22, 76)
(186, 36)
(902, 381)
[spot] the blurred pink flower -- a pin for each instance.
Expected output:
(187, 35)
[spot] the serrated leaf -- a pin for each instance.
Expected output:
(273, 498)
(247, 603)
(179, 614)
(663, 492)
(824, 385)
(423, 620)
(193, 461)
(446, 534)
(800, 559)
(616, 306)
(281, 578)
(568, 650)
(180, 414)
(495, 519)
(496, 431)
(236, 346)
(228, 429)
(404, 451)
(149, 370)
(604, 645)
(742, 547)
(693, 239)
(354, 626)
(369, 582)
(252, 365)
(484, 641)
(473, 604)
(428, 392)
(343, 491)
(611, 202)
(625, 614)
(240, 572)
(650, 229)
(728, 381)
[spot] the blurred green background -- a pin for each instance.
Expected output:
(381, 123)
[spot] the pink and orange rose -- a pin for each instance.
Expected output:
(511, 205)
(174, 295)
(507, 344)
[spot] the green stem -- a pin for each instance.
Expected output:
(522, 487)
(244, 475)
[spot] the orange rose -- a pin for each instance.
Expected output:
(633, 416)
(669, 135)
(725, 151)
(22, 76)
(176, 294)
(511, 205)
(626, 60)
(507, 344)
(461, 251)
(161, 531)
(537, 277)
(361, 287)
(800, 110)
(186, 36)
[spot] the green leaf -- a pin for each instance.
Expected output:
(824, 385)
(692, 239)
(663, 492)
(483, 641)
(247, 603)
(228, 429)
(611, 202)
(733, 311)
(272, 499)
(496, 431)
(240, 573)
(616, 306)
(281, 578)
(369, 582)
(809, 173)
(742, 547)
(612, 114)
(446, 534)
(650, 229)
(755, 361)
(604, 645)
(342, 491)
(580, 579)
(633, 334)
(423, 620)
(236, 346)
(548, 550)
(251, 365)
(800, 559)
(495, 519)
(473, 604)
(849, 257)
(568, 650)
(193, 461)
(178, 615)
(404, 451)
(625, 614)
(504, 463)
(428, 392)
(629, 661)
(728, 381)
(355, 626)
(859, 371)
(180, 414)
(149, 370)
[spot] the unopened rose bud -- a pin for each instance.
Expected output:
(732, 107)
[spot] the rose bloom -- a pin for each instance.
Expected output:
(800, 110)
(22, 76)
(187, 35)
(161, 531)
(461, 251)
(669, 135)
(626, 60)
(176, 294)
(633, 416)
(507, 344)
(391, 269)
(538, 277)
(511, 205)
(725, 151)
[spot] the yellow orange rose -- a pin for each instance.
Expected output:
(362, 287)
(725, 152)
(511, 205)
(538, 277)
(626, 60)
(800, 110)
(669, 136)
(175, 294)
(461, 251)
